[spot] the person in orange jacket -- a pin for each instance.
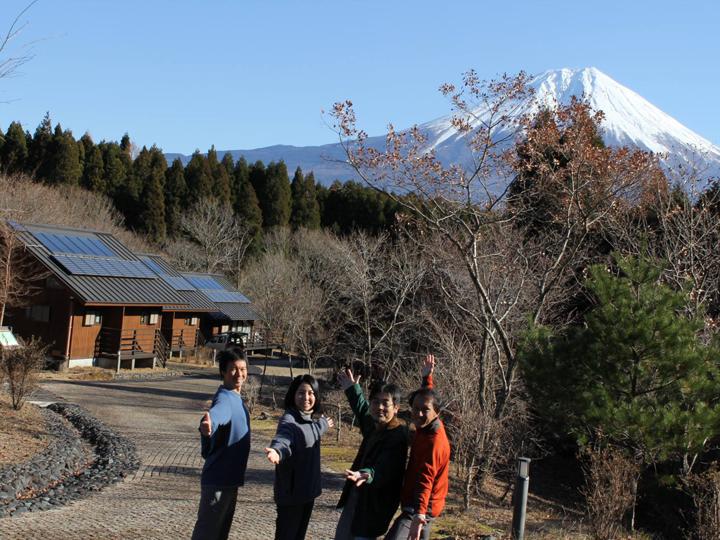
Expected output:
(425, 485)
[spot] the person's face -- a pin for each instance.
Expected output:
(305, 398)
(383, 408)
(423, 411)
(235, 374)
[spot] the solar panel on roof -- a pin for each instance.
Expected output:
(226, 296)
(205, 283)
(91, 266)
(176, 282)
(78, 244)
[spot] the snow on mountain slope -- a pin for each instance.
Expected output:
(630, 120)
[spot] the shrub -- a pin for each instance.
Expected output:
(705, 491)
(610, 484)
(19, 368)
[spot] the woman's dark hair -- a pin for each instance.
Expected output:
(295, 384)
(225, 358)
(382, 388)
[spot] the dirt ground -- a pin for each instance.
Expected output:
(22, 433)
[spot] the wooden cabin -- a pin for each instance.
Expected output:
(181, 324)
(234, 311)
(99, 303)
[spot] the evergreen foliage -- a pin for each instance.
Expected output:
(635, 372)
(198, 177)
(64, 159)
(220, 177)
(351, 206)
(305, 211)
(93, 177)
(40, 151)
(152, 197)
(175, 196)
(277, 203)
(14, 150)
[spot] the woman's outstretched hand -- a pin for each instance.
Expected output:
(272, 455)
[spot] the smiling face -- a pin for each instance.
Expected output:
(234, 375)
(305, 398)
(382, 408)
(423, 411)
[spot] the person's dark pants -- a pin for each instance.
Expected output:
(215, 515)
(292, 521)
(401, 528)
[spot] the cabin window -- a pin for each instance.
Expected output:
(38, 313)
(191, 321)
(149, 318)
(225, 328)
(92, 318)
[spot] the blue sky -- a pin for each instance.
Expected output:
(185, 74)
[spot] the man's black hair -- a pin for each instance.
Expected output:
(295, 384)
(382, 388)
(424, 393)
(225, 358)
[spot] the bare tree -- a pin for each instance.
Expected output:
(9, 64)
(21, 276)
(516, 268)
(381, 280)
(215, 240)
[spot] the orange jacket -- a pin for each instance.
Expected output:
(426, 479)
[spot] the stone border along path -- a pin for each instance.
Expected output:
(160, 499)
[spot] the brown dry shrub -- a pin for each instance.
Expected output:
(610, 475)
(20, 367)
(705, 491)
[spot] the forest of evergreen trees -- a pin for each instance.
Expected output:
(151, 195)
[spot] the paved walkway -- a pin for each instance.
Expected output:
(160, 500)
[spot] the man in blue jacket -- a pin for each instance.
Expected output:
(225, 445)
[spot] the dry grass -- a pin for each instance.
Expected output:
(22, 433)
(91, 374)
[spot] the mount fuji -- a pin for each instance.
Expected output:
(630, 120)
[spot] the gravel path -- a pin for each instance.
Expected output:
(160, 499)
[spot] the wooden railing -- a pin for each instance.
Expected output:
(133, 343)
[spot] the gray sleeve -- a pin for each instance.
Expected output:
(322, 425)
(284, 437)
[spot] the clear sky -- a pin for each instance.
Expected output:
(240, 74)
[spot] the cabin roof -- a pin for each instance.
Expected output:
(96, 267)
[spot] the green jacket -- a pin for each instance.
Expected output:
(382, 453)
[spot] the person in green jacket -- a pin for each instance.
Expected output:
(371, 493)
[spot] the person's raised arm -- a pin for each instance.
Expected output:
(359, 405)
(428, 368)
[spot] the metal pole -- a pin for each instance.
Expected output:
(520, 498)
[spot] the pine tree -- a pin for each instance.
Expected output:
(199, 178)
(116, 171)
(152, 198)
(14, 150)
(276, 199)
(305, 212)
(176, 193)
(40, 152)
(229, 165)
(637, 371)
(93, 177)
(248, 211)
(130, 201)
(64, 158)
(220, 177)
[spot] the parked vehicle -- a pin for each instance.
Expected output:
(226, 340)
